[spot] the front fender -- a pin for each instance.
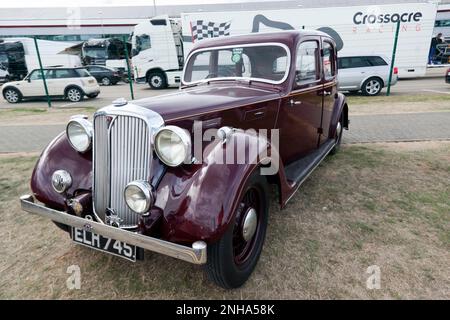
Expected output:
(59, 155)
(199, 204)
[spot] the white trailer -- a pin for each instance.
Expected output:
(49, 52)
(357, 30)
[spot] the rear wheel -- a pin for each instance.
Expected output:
(157, 80)
(372, 87)
(12, 95)
(106, 81)
(338, 136)
(74, 94)
(232, 259)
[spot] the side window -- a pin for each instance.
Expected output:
(344, 63)
(64, 74)
(306, 63)
(329, 68)
(377, 61)
(359, 62)
(36, 75)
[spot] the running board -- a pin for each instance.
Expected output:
(298, 171)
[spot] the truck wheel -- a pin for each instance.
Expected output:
(12, 95)
(372, 87)
(74, 94)
(232, 259)
(157, 80)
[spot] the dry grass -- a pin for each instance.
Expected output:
(40, 116)
(385, 205)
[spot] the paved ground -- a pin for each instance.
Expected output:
(364, 128)
(432, 84)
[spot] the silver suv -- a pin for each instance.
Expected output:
(368, 74)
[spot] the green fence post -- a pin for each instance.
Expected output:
(394, 52)
(49, 102)
(128, 67)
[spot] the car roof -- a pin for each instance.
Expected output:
(284, 37)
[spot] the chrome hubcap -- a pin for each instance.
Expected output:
(156, 81)
(338, 131)
(250, 224)
(74, 95)
(373, 87)
(105, 81)
(12, 96)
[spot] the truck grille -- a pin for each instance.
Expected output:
(122, 153)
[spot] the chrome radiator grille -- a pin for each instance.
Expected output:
(122, 153)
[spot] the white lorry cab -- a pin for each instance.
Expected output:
(157, 52)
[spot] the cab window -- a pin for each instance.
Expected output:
(306, 70)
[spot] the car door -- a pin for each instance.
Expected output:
(329, 80)
(347, 75)
(301, 111)
(32, 85)
(62, 80)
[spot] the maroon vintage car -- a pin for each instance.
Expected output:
(187, 174)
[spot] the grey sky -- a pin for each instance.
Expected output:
(101, 3)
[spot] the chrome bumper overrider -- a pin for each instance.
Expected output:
(195, 255)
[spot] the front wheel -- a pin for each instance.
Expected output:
(157, 80)
(12, 95)
(232, 259)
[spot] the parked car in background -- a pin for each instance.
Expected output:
(141, 177)
(70, 83)
(447, 76)
(368, 74)
(4, 74)
(105, 76)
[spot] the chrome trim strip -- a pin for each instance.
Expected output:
(278, 44)
(196, 254)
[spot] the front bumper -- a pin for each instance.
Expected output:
(195, 254)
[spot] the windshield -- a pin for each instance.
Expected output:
(265, 62)
(95, 52)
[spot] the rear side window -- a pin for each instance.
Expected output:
(65, 73)
(377, 61)
(361, 62)
(306, 63)
(82, 73)
(329, 67)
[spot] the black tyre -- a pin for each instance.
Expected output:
(74, 94)
(338, 136)
(105, 81)
(232, 259)
(372, 87)
(157, 80)
(12, 95)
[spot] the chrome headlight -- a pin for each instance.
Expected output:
(79, 133)
(173, 146)
(138, 196)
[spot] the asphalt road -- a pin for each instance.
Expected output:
(428, 85)
(363, 129)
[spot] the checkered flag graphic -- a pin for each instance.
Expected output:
(205, 29)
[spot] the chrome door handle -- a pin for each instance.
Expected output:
(260, 113)
(295, 103)
(326, 93)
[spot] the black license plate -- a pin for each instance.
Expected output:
(108, 245)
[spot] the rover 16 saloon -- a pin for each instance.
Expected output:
(187, 174)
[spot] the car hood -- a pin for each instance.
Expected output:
(190, 102)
